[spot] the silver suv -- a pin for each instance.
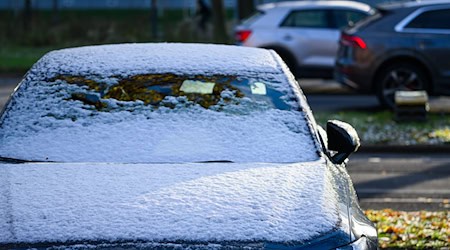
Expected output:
(305, 34)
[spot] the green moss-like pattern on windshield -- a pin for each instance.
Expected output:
(151, 89)
(81, 81)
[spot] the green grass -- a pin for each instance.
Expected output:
(379, 128)
(20, 59)
(21, 47)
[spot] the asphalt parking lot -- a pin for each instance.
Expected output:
(401, 181)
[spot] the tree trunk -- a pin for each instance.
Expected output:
(27, 15)
(219, 22)
(245, 8)
(55, 10)
(154, 19)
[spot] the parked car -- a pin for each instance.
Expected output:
(405, 46)
(304, 33)
(173, 146)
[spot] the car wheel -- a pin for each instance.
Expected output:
(399, 76)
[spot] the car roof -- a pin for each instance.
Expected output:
(315, 4)
(411, 4)
(177, 58)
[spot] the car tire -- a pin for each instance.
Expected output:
(399, 76)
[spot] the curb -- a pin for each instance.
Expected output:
(406, 149)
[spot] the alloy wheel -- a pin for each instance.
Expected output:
(405, 78)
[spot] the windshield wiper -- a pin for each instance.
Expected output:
(215, 161)
(14, 160)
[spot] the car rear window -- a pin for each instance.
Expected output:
(433, 19)
(257, 15)
(370, 19)
(307, 19)
(345, 17)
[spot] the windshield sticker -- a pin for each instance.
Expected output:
(197, 87)
(258, 88)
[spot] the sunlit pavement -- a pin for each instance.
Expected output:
(321, 86)
(405, 181)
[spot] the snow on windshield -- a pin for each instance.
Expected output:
(158, 103)
(140, 119)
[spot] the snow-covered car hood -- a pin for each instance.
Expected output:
(193, 202)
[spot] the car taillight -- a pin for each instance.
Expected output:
(353, 41)
(243, 35)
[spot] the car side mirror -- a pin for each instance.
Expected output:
(343, 139)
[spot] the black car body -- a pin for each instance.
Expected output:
(406, 46)
(173, 146)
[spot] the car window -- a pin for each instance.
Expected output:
(433, 19)
(155, 91)
(344, 18)
(251, 19)
(307, 19)
(156, 118)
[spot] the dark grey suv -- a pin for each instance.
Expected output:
(406, 46)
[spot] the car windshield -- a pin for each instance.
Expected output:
(156, 118)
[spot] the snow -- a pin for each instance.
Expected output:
(181, 137)
(43, 122)
(131, 59)
(72, 132)
(133, 172)
(212, 202)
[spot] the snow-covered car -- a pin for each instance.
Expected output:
(173, 146)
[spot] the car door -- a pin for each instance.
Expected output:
(431, 28)
(313, 34)
(309, 35)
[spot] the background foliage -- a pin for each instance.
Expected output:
(411, 230)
